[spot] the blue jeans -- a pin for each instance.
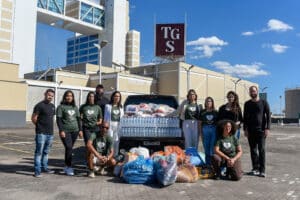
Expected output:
(208, 140)
(237, 133)
(43, 143)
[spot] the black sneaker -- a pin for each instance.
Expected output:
(253, 172)
(37, 175)
(262, 174)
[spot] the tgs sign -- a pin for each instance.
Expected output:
(170, 40)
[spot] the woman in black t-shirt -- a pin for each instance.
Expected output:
(232, 111)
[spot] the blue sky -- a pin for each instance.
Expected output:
(257, 40)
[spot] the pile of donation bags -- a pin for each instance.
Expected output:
(165, 167)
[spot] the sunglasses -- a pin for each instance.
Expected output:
(104, 127)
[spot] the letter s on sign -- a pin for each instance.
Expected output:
(170, 46)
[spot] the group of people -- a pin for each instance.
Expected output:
(97, 121)
(220, 131)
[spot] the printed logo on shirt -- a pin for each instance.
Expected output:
(90, 112)
(227, 145)
(209, 117)
(193, 109)
(71, 112)
(116, 112)
(101, 145)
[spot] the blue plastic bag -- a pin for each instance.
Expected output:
(196, 158)
(139, 171)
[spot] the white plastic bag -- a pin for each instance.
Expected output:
(140, 151)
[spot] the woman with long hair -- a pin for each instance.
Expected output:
(208, 122)
(112, 115)
(232, 111)
(228, 152)
(91, 116)
(69, 125)
(189, 112)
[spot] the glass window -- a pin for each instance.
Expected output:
(83, 59)
(93, 57)
(70, 42)
(86, 13)
(84, 39)
(98, 17)
(93, 51)
(94, 62)
(42, 4)
(91, 44)
(70, 61)
(71, 48)
(70, 55)
(83, 52)
(56, 6)
(83, 46)
(93, 37)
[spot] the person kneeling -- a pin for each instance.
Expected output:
(100, 151)
(228, 152)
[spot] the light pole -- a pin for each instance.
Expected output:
(100, 46)
(188, 76)
(235, 83)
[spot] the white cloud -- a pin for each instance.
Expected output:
(240, 70)
(248, 33)
(277, 25)
(206, 46)
(277, 48)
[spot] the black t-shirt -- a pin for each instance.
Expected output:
(256, 116)
(45, 112)
(101, 101)
(225, 113)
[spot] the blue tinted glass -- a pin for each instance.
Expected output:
(98, 17)
(84, 39)
(70, 61)
(56, 6)
(70, 42)
(83, 59)
(93, 37)
(93, 57)
(91, 44)
(94, 62)
(70, 55)
(93, 51)
(83, 52)
(83, 46)
(70, 48)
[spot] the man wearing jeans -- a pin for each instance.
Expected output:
(42, 118)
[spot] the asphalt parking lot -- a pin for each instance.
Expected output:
(17, 182)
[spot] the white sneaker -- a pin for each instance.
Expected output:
(69, 171)
(91, 174)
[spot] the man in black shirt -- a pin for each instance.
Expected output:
(257, 128)
(100, 99)
(42, 118)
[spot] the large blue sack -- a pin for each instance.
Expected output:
(196, 158)
(139, 171)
